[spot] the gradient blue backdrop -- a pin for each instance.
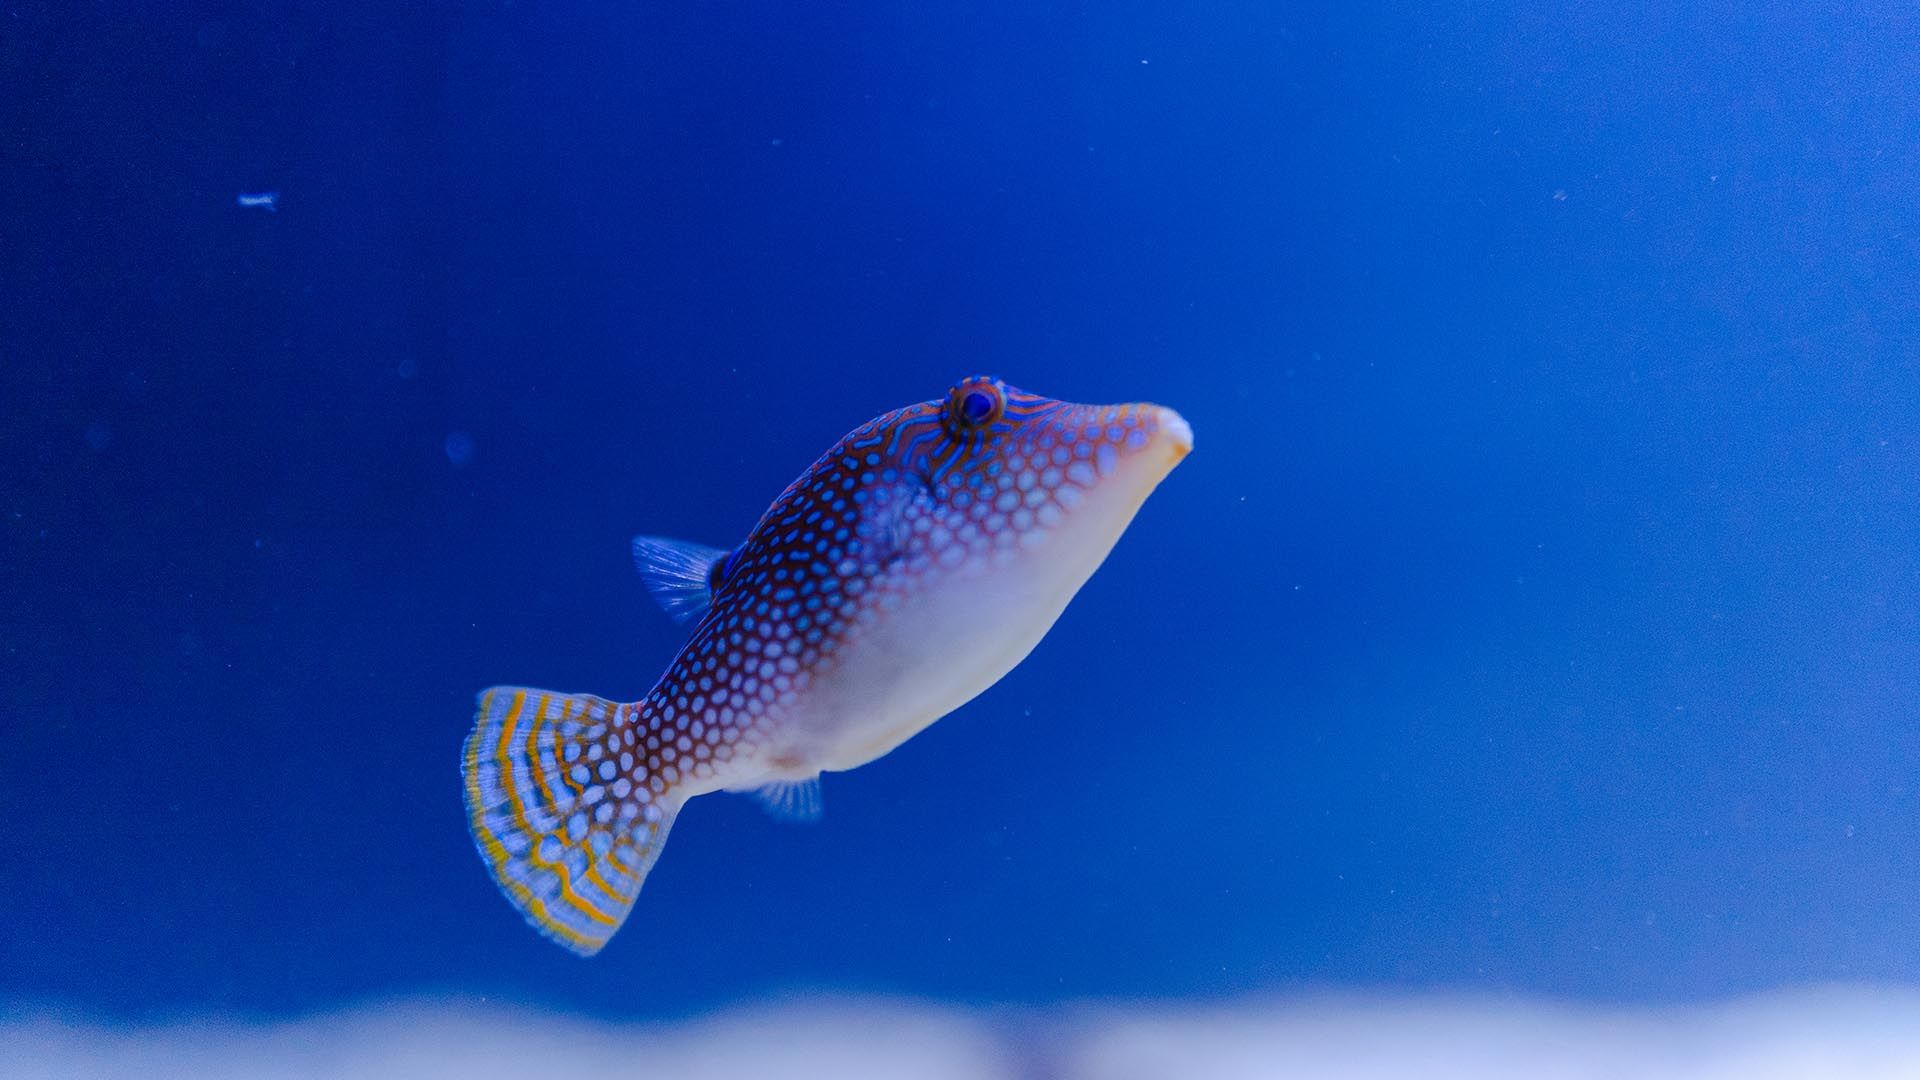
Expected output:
(1537, 612)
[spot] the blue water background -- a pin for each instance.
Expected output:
(1537, 613)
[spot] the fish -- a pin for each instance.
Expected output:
(906, 571)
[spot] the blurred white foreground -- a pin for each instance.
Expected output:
(1815, 1033)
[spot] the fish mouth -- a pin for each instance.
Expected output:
(1175, 430)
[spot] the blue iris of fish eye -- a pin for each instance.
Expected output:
(975, 407)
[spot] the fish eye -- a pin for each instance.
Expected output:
(976, 407)
(975, 403)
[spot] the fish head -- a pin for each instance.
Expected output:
(1014, 476)
(930, 550)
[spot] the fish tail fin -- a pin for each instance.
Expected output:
(563, 810)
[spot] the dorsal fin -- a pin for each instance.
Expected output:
(679, 574)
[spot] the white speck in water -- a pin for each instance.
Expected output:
(261, 200)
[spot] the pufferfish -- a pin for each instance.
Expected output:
(907, 570)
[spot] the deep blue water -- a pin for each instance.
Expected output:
(1536, 614)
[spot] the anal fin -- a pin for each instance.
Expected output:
(791, 800)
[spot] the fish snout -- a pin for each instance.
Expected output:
(1143, 442)
(1173, 431)
(1158, 439)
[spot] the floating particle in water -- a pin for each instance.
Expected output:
(409, 367)
(459, 448)
(99, 435)
(263, 200)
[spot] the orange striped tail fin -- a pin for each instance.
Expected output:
(562, 808)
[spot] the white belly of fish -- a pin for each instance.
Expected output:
(952, 634)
